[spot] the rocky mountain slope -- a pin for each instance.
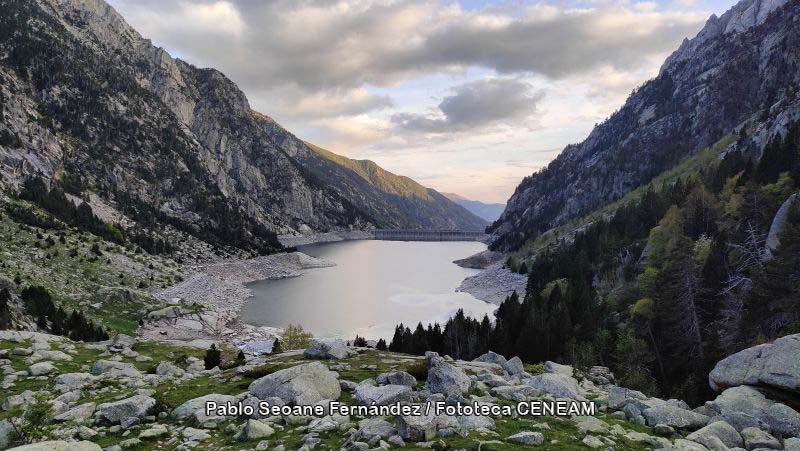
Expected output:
(87, 100)
(489, 212)
(742, 68)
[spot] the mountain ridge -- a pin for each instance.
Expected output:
(686, 108)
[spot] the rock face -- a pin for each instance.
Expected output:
(446, 378)
(194, 130)
(686, 108)
(774, 365)
(305, 384)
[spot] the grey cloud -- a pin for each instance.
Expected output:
(318, 44)
(476, 105)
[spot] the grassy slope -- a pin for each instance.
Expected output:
(74, 280)
(377, 176)
(561, 435)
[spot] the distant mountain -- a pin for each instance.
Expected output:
(86, 101)
(740, 70)
(489, 212)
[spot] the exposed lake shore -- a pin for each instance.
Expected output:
(495, 282)
(205, 306)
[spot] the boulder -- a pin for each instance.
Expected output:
(396, 378)
(745, 406)
(121, 341)
(324, 350)
(78, 414)
(553, 367)
(112, 368)
(755, 438)
(305, 384)
(59, 445)
(592, 442)
(590, 424)
(472, 422)
(446, 378)
(792, 444)
(6, 434)
(514, 366)
(41, 368)
(618, 397)
(558, 385)
(717, 432)
(168, 369)
(72, 381)
(674, 416)
(136, 406)
(18, 400)
(527, 438)
(382, 395)
(254, 430)
(170, 312)
(422, 428)
(772, 365)
(375, 427)
(195, 409)
(154, 431)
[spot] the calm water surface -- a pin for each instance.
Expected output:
(375, 285)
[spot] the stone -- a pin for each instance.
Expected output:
(115, 369)
(664, 430)
(674, 416)
(255, 429)
(305, 384)
(60, 445)
(473, 422)
(6, 434)
(528, 438)
(396, 378)
(446, 378)
(720, 430)
(195, 435)
(168, 369)
(419, 428)
(618, 397)
(347, 385)
(18, 400)
(590, 424)
(514, 366)
(756, 438)
(129, 422)
(86, 433)
(78, 414)
(773, 365)
(382, 395)
(592, 442)
(375, 427)
(553, 367)
(556, 384)
(195, 409)
(41, 368)
(688, 445)
(745, 406)
(71, 381)
(154, 431)
(792, 444)
(325, 350)
(135, 406)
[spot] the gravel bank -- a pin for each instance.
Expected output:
(207, 303)
(494, 283)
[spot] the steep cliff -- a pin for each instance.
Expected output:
(741, 69)
(86, 98)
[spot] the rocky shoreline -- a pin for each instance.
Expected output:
(204, 308)
(495, 282)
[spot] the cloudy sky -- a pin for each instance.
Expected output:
(464, 96)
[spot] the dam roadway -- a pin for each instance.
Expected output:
(427, 235)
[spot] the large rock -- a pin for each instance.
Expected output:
(512, 366)
(528, 438)
(558, 385)
(674, 416)
(755, 438)
(112, 368)
(396, 378)
(382, 395)
(618, 397)
(375, 427)
(305, 384)
(195, 409)
(41, 368)
(717, 432)
(325, 350)
(421, 428)
(136, 406)
(553, 367)
(71, 381)
(59, 445)
(446, 378)
(6, 434)
(78, 414)
(773, 365)
(745, 406)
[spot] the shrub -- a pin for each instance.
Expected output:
(294, 337)
(419, 369)
(212, 357)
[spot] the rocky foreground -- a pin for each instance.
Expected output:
(125, 394)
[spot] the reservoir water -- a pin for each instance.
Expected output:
(374, 286)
